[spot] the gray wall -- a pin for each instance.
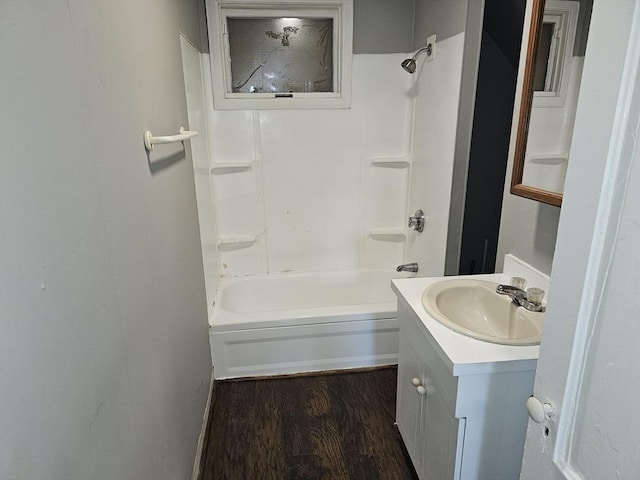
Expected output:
(470, 65)
(493, 110)
(528, 230)
(382, 26)
(444, 17)
(488, 158)
(104, 357)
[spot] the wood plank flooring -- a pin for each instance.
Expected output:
(331, 426)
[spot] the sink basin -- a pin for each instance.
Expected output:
(473, 308)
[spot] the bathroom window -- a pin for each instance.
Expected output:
(280, 55)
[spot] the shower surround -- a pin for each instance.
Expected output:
(304, 190)
(320, 198)
(310, 210)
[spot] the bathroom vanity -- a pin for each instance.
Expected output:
(461, 402)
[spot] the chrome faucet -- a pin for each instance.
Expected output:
(531, 299)
(516, 294)
(408, 267)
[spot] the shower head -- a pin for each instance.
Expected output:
(409, 65)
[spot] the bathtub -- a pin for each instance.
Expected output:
(293, 323)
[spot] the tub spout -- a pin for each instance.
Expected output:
(408, 267)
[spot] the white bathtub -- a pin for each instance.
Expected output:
(276, 324)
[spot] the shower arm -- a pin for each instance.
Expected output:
(420, 50)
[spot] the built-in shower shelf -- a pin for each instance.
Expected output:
(237, 240)
(391, 162)
(222, 168)
(387, 234)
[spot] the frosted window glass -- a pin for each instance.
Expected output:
(271, 55)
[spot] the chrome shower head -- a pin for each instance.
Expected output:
(409, 65)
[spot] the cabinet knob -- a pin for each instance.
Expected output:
(416, 382)
(421, 390)
(538, 411)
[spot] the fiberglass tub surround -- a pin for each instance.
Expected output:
(336, 202)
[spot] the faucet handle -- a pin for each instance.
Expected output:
(534, 300)
(519, 282)
(535, 295)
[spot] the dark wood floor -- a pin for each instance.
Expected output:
(331, 426)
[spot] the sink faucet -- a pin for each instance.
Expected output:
(531, 299)
(408, 267)
(516, 294)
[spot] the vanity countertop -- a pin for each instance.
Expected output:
(465, 355)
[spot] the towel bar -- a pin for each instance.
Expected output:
(150, 140)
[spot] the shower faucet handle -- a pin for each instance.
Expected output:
(417, 221)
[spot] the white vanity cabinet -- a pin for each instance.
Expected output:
(454, 425)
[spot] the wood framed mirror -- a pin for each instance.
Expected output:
(549, 76)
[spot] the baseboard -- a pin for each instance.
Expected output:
(203, 431)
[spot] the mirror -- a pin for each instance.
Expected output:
(549, 75)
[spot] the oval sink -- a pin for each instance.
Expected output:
(473, 308)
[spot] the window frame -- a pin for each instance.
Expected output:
(564, 17)
(341, 11)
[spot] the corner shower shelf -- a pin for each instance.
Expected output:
(222, 168)
(387, 234)
(391, 162)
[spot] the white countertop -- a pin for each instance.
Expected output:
(465, 355)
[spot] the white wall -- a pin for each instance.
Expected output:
(312, 194)
(437, 93)
(103, 348)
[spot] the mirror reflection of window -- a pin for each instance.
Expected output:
(541, 69)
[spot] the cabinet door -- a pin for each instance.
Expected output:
(439, 434)
(408, 401)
